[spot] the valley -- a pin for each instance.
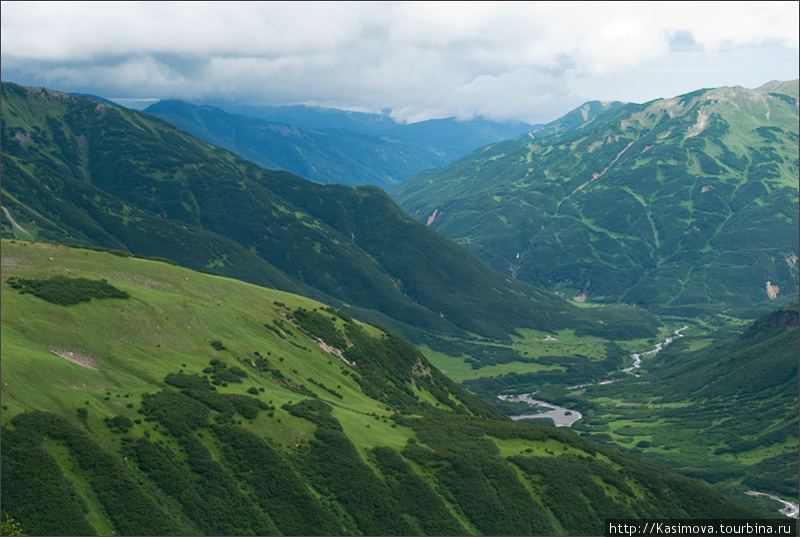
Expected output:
(213, 211)
(195, 377)
(249, 352)
(563, 417)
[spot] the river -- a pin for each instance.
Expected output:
(637, 359)
(564, 417)
(791, 509)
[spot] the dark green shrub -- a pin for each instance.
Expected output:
(67, 291)
(119, 424)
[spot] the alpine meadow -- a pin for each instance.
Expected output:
(367, 269)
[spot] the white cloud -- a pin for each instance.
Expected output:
(528, 60)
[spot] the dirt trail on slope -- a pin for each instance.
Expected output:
(595, 176)
(333, 350)
(14, 222)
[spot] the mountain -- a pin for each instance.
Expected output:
(454, 138)
(687, 206)
(448, 139)
(321, 155)
(335, 146)
(731, 407)
(81, 171)
(141, 398)
(451, 137)
(721, 407)
(317, 117)
(95, 97)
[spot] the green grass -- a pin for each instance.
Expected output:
(457, 369)
(535, 343)
(366, 432)
(171, 318)
(530, 344)
(531, 448)
(96, 515)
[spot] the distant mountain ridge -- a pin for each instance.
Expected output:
(483, 131)
(684, 205)
(334, 146)
(324, 156)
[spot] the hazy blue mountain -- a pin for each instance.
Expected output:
(321, 155)
(315, 117)
(450, 137)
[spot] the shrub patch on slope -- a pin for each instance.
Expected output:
(67, 291)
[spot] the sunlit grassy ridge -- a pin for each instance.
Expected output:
(136, 427)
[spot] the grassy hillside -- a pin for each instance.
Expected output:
(687, 206)
(186, 403)
(81, 171)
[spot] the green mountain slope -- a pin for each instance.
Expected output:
(684, 205)
(323, 156)
(82, 171)
(186, 403)
(730, 408)
(721, 407)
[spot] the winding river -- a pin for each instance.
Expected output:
(791, 509)
(564, 417)
(637, 358)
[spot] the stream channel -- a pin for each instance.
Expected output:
(791, 510)
(564, 417)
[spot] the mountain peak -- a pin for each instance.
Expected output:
(789, 87)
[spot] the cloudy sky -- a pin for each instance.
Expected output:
(532, 61)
